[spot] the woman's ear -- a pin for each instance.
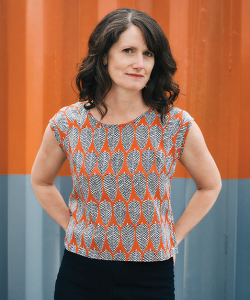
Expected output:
(105, 60)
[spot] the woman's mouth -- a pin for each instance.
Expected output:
(135, 75)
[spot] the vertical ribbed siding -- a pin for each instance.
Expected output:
(212, 263)
(42, 42)
(46, 39)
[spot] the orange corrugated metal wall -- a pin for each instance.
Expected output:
(43, 40)
(41, 43)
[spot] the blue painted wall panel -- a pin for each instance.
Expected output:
(16, 237)
(243, 242)
(33, 245)
(207, 266)
(4, 236)
(178, 203)
(53, 246)
(231, 197)
(206, 261)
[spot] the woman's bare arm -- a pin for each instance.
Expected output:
(45, 169)
(199, 163)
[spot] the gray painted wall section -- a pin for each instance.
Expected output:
(242, 275)
(209, 259)
(4, 236)
(16, 237)
(213, 261)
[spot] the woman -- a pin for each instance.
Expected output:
(123, 140)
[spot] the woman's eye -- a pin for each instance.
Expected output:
(149, 54)
(127, 50)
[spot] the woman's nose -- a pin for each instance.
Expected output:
(139, 63)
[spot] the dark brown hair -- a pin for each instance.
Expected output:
(93, 80)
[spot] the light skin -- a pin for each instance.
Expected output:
(128, 57)
(129, 63)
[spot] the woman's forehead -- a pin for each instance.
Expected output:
(132, 37)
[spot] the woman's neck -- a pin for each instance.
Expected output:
(119, 98)
(122, 107)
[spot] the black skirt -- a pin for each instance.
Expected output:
(84, 278)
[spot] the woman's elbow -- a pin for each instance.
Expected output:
(216, 189)
(212, 185)
(33, 178)
(217, 186)
(36, 177)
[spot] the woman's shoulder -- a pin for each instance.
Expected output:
(65, 117)
(182, 115)
(71, 111)
(77, 107)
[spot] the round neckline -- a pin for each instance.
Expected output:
(122, 124)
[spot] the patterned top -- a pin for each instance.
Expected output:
(120, 204)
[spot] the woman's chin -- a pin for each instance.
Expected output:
(129, 86)
(134, 88)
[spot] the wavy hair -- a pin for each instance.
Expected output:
(93, 80)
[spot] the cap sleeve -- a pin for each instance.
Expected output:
(59, 125)
(186, 123)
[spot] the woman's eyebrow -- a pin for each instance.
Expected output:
(129, 46)
(133, 47)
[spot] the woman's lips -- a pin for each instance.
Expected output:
(135, 75)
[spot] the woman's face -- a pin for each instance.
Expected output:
(129, 61)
